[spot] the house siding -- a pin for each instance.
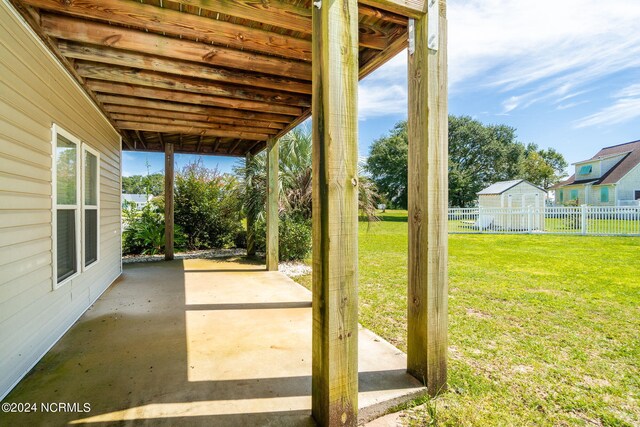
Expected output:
(36, 92)
(629, 184)
(595, 192)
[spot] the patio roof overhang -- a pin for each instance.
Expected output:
(209, 76)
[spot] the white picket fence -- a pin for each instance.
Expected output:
(585, 220)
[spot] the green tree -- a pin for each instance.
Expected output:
(294, 193)
(387, 164)
(143, 184)
(294, 178)
(206, 207)
(479, 155)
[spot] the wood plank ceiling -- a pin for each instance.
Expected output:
(211, 76)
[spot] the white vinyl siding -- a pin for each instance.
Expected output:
(35, 93)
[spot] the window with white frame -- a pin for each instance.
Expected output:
(90, 210)
(76, 206)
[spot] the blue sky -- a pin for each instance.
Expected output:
(564, 73)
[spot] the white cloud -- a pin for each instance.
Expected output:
(381, 99)
(551, 48)
(527, 51)
(625, 107)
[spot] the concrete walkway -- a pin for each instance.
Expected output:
(199, 342)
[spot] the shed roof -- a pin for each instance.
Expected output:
(619, 170)
(502, 186)
(211, 76)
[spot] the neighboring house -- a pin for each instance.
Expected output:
(139, 199)
(610, 178)
(518, 194)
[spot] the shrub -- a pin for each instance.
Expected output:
(206, 207)
(294, 237)
(144, 229)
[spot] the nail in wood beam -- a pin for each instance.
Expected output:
(168, 201)
(272, 205)
(428, 146)
(335, 215)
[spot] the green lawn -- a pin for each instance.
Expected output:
(543, 329)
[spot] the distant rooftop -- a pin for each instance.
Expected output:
(502, 186)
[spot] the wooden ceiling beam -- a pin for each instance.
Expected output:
(175, 66)
(233, 147)
(383, 15)
(138, 41)
(377, 60)
(177, 122)
(190, 130)
(281, 14)
(123, 109)
(187, 84)
(140, 138)
(191, 108)
(199, 143)
(408, 8)
(176, 23)
(187, 97)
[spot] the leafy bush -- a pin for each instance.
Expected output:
(144, 229)
(294, 237)
(206, 207)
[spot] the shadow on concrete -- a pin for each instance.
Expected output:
(252, 306)
(143, 356)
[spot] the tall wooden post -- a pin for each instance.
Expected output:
(168, 201)
(272, 205)
(335, 208)
(428, 200)
(251, 221)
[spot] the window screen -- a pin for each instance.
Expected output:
(90, 206)
(67, 207)
(66, 243)
(66, 171)
(91, 237)
(604, 194)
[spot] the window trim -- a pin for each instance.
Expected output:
(88, 149)
(55, 131)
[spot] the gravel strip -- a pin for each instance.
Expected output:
(204, 254)
(294, 268)
(289, 268)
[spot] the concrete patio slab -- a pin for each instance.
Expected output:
(198, 342)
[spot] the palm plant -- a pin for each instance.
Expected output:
(294, 180)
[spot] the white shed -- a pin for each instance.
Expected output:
(514, 205)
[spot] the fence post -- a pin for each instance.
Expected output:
(583, 218)
(529, 219)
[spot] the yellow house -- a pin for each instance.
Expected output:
(610, 178)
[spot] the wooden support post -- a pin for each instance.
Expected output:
(428, 198)
(335, 213)
(251, 221)
(272, 204)
(168, 201)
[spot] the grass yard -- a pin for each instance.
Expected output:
(543, 329)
